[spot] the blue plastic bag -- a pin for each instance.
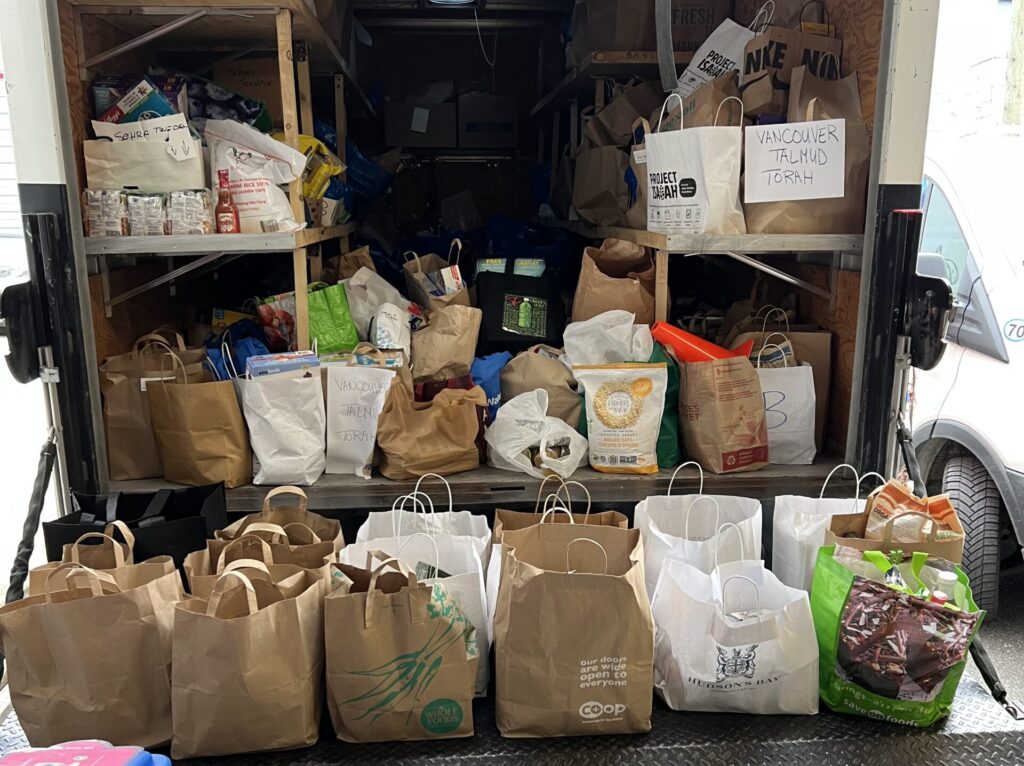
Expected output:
(243, 339)
(486, 372)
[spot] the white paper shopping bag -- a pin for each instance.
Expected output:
(694, 179)
(721, 52)
(355, 398)
(788, 393)
(799, 526)
(286, 419)
(693, 528)
(733, 641)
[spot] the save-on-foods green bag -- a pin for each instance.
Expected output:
(330, 321)
(669, 454)
(884, 653)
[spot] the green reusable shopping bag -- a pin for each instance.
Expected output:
(669, 454)
(330, 322)
(885, 654)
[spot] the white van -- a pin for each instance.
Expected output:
(967, 416)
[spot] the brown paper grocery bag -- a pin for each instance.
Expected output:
(203, 568)
(200, 432)
(559, 583)
(350, 263)
(539, 367)
(611, 125)
(944, 540)
(616, 275)
(636, 204)
(401, 656)
(815, 348)
(439, 436)
(721, 415)
(768, 63)
(416, 269)
(132, 451)
(515, 520)
(445, 348)
(812, 98)
(90, 658)
(248, 667)
(267, 543)
(699, 108)
(599, 192)
(292, 512)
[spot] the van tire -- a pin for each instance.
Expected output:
(978, 504)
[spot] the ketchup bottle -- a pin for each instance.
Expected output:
(226, 212)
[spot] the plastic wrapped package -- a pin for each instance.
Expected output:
(147, 214)
(190, 212)
(105, 212)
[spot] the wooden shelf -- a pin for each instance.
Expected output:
(236, 24)
(713, 244)
(280, 242)
(488, 487)
(603, 64)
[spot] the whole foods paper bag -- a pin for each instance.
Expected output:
(814, 98)
(91, 658)
(616, 275)
(248, 668)
(539, 367)
(590, 681)
(721, 415)
(200, 432)
(439, 436)
(446, 347)
(388, 634)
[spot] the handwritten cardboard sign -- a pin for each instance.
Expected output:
(795, 161)
(172, 129)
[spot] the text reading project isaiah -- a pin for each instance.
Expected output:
(796, 161)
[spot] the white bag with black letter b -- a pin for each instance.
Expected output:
(734, 641)
(694, 178)
(788, 393)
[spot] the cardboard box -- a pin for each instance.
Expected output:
(628, 25)
(487, 121)
(128, 98)
(271, 364)
(408, 124)
(256, 78)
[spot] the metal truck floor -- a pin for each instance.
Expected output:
(977, 732)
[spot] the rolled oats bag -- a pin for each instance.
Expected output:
(624, 408)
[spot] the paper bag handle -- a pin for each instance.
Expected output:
(568, 569)
(771, 335)
(768, 9)
(565, 486)
(639, 122)
(456, 245)
(229, 361)
(554, 508)
(415, 257)
(372, 593)
(303, 500)
(700, 471)
(156, 338)
(246, 541)
(439, 477)
(305, 533)
(757, 591)
(433, 540)
(540, 490)
(263, 526)
(222, 585)
(718, 541)
(399, 505)
(126, 533)
(255, 564)
(772, 310)
(119, 560)
(771, 345)
(73, 569)
(689, 513)
(721, 103)
(824, 13)
(661, 116)
(887, 529)
(839, 65)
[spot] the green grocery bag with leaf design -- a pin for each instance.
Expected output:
(886, 649)
(330, 321)
(401, 657)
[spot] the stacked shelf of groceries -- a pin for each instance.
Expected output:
(117, 36)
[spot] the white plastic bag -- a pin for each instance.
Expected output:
(788, 393)
(608, 338)
(799, 526)
(733, 641)
(355, 398)
(366, 291)
(523, 422)
(693, 179)
(257, 166)
(286, 419)
(700, 529)
(389, 329)
(463, 572)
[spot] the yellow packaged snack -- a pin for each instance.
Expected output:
(624, 408)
